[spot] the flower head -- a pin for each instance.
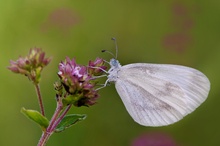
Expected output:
(31, 65)
(78, 82)
(96, 67)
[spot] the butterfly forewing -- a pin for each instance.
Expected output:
(157, 95)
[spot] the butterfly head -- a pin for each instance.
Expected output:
(114, 63)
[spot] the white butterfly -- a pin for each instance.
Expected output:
(158, 94)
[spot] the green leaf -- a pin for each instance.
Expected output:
(36, 117)
(68, 121)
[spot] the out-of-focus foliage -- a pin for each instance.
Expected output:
(173, 31)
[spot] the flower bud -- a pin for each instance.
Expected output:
(31, 65)
(96, 67)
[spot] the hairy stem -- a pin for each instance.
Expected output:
(61, 116)
(44, 137)
(40, 101)
(55, 116)
(46, 134)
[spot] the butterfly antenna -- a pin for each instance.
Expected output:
(109, 52)
(116, 47)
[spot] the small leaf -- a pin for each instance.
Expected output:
(68, 121)
(36, 117)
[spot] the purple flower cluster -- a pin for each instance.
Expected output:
(78, 81)
(31, 65)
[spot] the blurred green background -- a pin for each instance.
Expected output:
(172, 31)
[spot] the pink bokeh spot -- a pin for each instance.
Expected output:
(182, 22)
(177, 42)
(154, 139)
(62, 19)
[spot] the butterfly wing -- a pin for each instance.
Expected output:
(157, 95)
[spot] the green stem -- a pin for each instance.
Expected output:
(40, 101)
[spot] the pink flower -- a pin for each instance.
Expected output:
(96, 67)
(31, 65)
(78, 81)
